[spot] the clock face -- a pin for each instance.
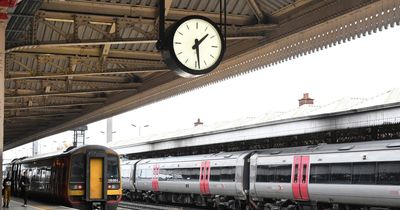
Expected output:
(196, 45)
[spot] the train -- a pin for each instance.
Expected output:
(85, 178)
(323, 176)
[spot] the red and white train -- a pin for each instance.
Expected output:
(337, 176)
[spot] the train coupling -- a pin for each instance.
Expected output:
(97, 206)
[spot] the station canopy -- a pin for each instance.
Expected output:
(73, 62)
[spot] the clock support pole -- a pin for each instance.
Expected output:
(222, 10)
(161, 25)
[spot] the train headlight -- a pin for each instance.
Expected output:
(113, 186)
(76, 187)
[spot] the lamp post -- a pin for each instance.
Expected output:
(139, 127)
(109, 135)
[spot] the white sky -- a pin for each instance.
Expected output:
(361, 68)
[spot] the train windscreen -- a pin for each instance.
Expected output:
(113, 169)
(77, 168)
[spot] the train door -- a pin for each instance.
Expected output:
(96, 178)
(205, 177)
(154, 181)
(300, 170)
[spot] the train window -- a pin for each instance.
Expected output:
(164, 175)
(304, 175)
(145, 174)
(77, 168)
(112, 167)
(265, 174)
(274, 173)
(388, 173)
(364, 173)
(228, 174)
(222, 174)
(190, 174)
(215, 174)
(320, 173)
(178, 174)
(283, 173)
(341, 173)
(296, 173)
(126, 173)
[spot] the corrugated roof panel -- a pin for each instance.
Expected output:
(337, 106)
(233, 6)
(18, 24)
(391, 96)
(270, 6)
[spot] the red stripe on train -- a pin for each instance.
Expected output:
(205, 177)
(154, 181)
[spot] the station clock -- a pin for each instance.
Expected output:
(194, 46)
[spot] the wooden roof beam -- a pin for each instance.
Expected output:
(121, 10)
(106, 48)
(26, 95)
(291, 7)
(56, 85)
(256, 10)
(50, 106)
(82, 76)
(40, 116)
(93, 52)
(26, 121)
(109, 20)
(61, 43)
(55, 99)
(52, 54)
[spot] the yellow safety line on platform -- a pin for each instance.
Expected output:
(19, 204)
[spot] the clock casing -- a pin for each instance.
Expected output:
(193, 46)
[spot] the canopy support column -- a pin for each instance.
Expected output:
(3, 26)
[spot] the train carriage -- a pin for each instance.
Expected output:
(128, 170)
(86, 177)
(195, 179)
(336, 176)
(363, 174)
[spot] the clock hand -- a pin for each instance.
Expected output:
(197, 42)
(197, 51)
(202, 39)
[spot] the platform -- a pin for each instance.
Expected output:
(16, 204)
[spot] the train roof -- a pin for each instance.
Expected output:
(214, 156)
(312, 149)
(66, 152)
(128, 162)
(334, 148)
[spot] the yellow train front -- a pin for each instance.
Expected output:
(86, 177)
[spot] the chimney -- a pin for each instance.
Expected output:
(306, 100)
(198, 122)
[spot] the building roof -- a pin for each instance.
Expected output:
(307, 110)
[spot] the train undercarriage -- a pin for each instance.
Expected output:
(230, 203)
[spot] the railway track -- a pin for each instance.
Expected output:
(146, 206)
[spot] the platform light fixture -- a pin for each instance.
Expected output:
(139, 127)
